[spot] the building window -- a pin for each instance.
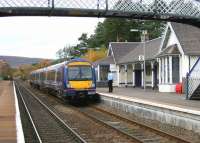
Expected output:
(148, 70)
(175, 69)
(164, 70)
(168, 73)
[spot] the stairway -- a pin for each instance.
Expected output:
(196, 94)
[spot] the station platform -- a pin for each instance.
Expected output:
(150, 96)
(8, 126)
(169, 108)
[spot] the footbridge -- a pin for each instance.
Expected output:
(185, 11)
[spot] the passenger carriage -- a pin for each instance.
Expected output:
(70, 79)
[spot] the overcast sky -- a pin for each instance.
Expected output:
(41, 36)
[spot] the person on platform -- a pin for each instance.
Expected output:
(110, 81)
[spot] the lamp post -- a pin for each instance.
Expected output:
(143, 39)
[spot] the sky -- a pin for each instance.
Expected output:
(41, 37)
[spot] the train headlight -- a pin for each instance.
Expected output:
(68, 85)
(93, 85)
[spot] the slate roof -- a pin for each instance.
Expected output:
(105, 61)
(120, 49)
(189, 38)
(152, 49)
(170, 50)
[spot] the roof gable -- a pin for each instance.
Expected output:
(170, 50)
(188, 36)
(170, 38)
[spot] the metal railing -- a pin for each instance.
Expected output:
(164, 9)
(193, 79)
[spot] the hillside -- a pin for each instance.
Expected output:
(14, 61)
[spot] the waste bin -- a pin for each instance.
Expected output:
(179, 88)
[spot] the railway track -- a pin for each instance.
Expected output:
(91, 130)
(140, 132)
(132, 130)
(47, 125)
(30, 132)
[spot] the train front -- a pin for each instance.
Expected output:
(80, 80)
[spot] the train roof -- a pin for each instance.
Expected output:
(56, 66)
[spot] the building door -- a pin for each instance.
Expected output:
(138, 77)
(175, 70)
(155, 84)
(104, 69)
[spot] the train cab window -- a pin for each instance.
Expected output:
(80, 73)
(86, 72)
(73, 73)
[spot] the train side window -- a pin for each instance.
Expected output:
(58, 76)
(42, 75)
(52, 75)
(36, 76)
(48, 75)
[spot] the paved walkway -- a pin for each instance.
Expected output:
(170, 99)
(7, 113)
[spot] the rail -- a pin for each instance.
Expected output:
(29, 115)
(59, 120)
(159, 132)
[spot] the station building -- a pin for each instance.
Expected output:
(167, 59)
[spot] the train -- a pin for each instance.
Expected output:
(69, 80)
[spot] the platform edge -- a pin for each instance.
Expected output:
(19, 130)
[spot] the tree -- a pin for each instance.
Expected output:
(112, 30)
(67, 52)
(94, 55)
(5, 70)
(83, 40)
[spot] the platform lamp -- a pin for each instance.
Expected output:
(143, 39)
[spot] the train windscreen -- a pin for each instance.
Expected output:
(78, 73)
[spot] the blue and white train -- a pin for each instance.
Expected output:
(70, 79)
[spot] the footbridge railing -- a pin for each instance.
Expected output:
(149, 9)
(193, 82)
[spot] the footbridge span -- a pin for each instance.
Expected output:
(185, 11)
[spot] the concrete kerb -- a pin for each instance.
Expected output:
(19, 130)
(176, 116)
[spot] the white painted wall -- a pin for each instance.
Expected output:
(185, 65)
(164, 86)
(114, 70)
(174, 40)
(167, 88)
(148, 77)
(122, 74)
(113, 67)
(129, 73)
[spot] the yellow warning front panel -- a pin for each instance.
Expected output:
(80, 84)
